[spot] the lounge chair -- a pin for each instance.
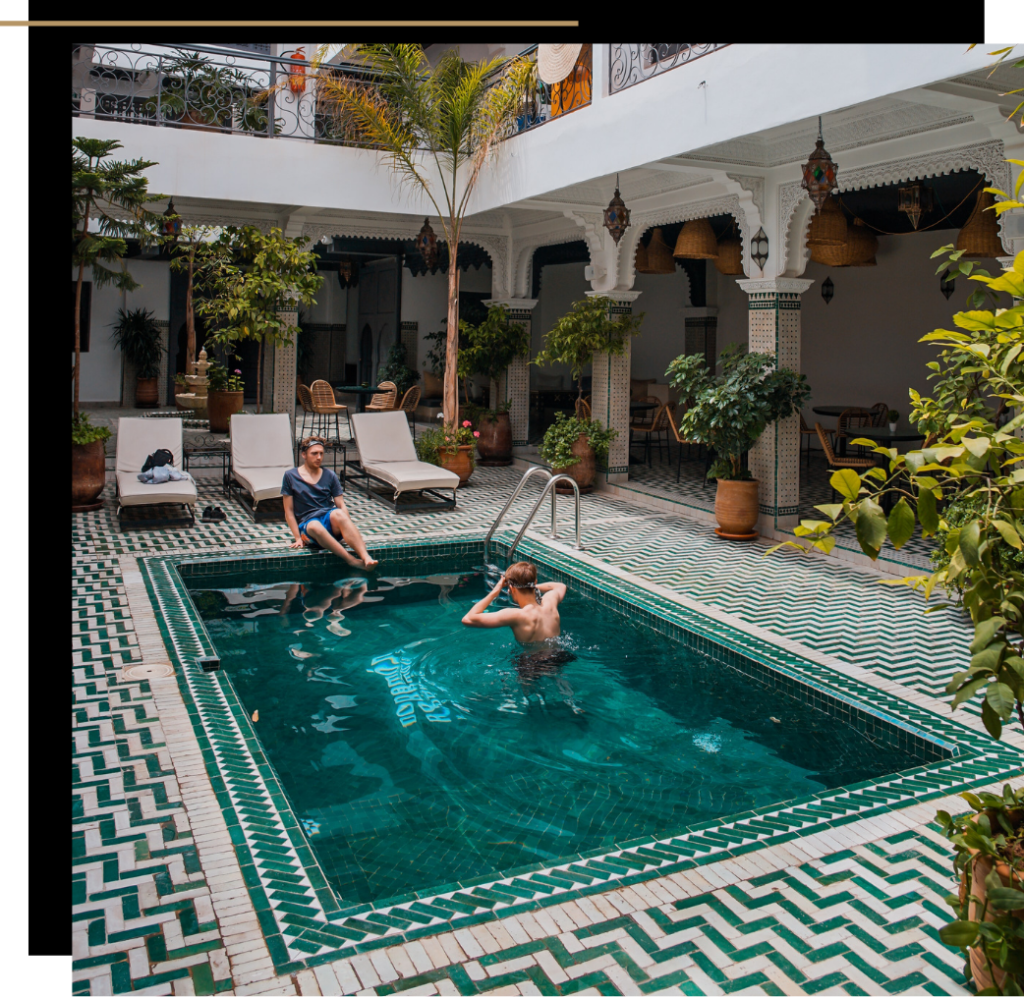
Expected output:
(387, 454)
(136, 440)
(261, 451)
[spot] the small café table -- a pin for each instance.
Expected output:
(364, 393)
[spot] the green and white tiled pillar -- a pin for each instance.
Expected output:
(283, 399)
(514, 384)
(774, 327)
(609, 394)
(701, 333)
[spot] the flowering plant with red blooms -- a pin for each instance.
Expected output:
(431, 443)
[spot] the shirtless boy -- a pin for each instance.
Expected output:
(533, 620)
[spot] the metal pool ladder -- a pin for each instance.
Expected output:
(549, 487)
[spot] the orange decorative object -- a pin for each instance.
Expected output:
(574, 90)
(296, 74)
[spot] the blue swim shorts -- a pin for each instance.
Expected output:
(323, 518)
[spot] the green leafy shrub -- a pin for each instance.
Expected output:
(432, 444)
(556, 447)
(396, 369)
(137, 336)
(83, 431)
(493, 344)
(223, 378)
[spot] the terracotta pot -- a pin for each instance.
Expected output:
(736, 508)
(461, 463)
(981, 866)
(147, 394)
(87, 475)
(495, 442)
(221, 405)
(583, 472)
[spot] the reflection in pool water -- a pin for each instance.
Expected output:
(417, 752)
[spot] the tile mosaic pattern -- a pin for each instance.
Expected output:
(125, 786)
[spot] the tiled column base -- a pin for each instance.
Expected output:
(284, 371)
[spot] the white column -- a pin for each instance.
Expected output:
(774, 460)
(609, 394)
(284, 369)
(514, 384)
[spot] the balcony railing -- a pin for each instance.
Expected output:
(630, 63)
(545, 102)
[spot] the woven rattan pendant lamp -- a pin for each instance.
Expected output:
(730, 254)
(641, 258)
(979, 238)
(862, 245)
(696, 241)
(828, 226)
(659, 256)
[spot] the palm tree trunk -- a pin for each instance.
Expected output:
(78, 316)
(451, 366)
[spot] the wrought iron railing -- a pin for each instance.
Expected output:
(204, 88)
(630, 63)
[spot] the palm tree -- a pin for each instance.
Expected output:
(448, 117)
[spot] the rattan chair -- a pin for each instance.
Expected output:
(408, 405)
(384, 400)
(806, 430)
(834, 462)
(583, 408)
(881, 413)
(684, 442)
(306, 401)
(324, 405)
(644, 418)
(852, 418)
(658, 426)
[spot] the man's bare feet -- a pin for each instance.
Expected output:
(369, 562)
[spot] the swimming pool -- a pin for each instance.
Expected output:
(418, 754)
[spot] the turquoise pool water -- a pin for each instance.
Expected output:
(418, 753)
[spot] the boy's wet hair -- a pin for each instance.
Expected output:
(521, 575)
(310, 441)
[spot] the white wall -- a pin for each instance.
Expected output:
(560, 285)
(662, 337)
(101, 366)
(863, 347)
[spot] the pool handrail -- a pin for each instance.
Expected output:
(549, 487)
(515, 493)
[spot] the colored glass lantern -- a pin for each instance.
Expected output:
(819, 173)
(171, 226)
(916, 200)
(426, 244)
(616, 215)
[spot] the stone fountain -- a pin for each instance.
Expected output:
(199, 383)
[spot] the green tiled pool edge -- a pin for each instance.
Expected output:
(299, 914)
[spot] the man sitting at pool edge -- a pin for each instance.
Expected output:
(315, 511)
(535, 619)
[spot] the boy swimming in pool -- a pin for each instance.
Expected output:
(534, 619)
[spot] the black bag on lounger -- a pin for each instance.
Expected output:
(158, 459)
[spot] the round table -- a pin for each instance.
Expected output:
(833, 410)
(904, 433)
(357, 389)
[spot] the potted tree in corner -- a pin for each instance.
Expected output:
(137, 336)
(728, 412)
(576, 447)
(100, 189)
(224, 396)
(491, 347)
(574, 339)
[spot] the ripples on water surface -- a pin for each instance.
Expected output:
(418, 752)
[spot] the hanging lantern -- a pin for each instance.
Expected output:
(759, 249)
(696, 241)
(171, 226)
(641, 258)
(828, 226)
(616, 215)
(659, 256)
(426, 244)
(296, 74)
(916, 200)
(348, 274)
(828, 289)
(979, 238)
(947, 287)
(862, 244)
(730, 254)
(819, 173)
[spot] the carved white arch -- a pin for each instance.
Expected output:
(523, 264)
(795, 208)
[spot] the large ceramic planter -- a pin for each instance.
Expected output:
(736, 509)
(220, 406)
(147, 395)
(88, 475)
(583, 471)
(981, 866)
(494, 444)
(461, 463)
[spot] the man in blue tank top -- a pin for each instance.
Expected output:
(315, 511)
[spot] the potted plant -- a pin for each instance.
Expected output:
(450, 448)
(224, 396)
(490, 348)
(137, 336)
(397, 370)
(575, 447)
(729, 412)
(88, 463)
(894, 418)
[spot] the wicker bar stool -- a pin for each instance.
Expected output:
(384, 400)
(306, 401)
(324, 404)
(408, 405)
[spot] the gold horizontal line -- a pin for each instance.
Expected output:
(289, 24)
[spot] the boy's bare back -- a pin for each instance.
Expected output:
(531, 620)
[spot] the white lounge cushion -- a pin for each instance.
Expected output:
(131, 491)
(136, 440)
(260, 482)
(386, 451)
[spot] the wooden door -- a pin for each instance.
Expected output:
(378, 310)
